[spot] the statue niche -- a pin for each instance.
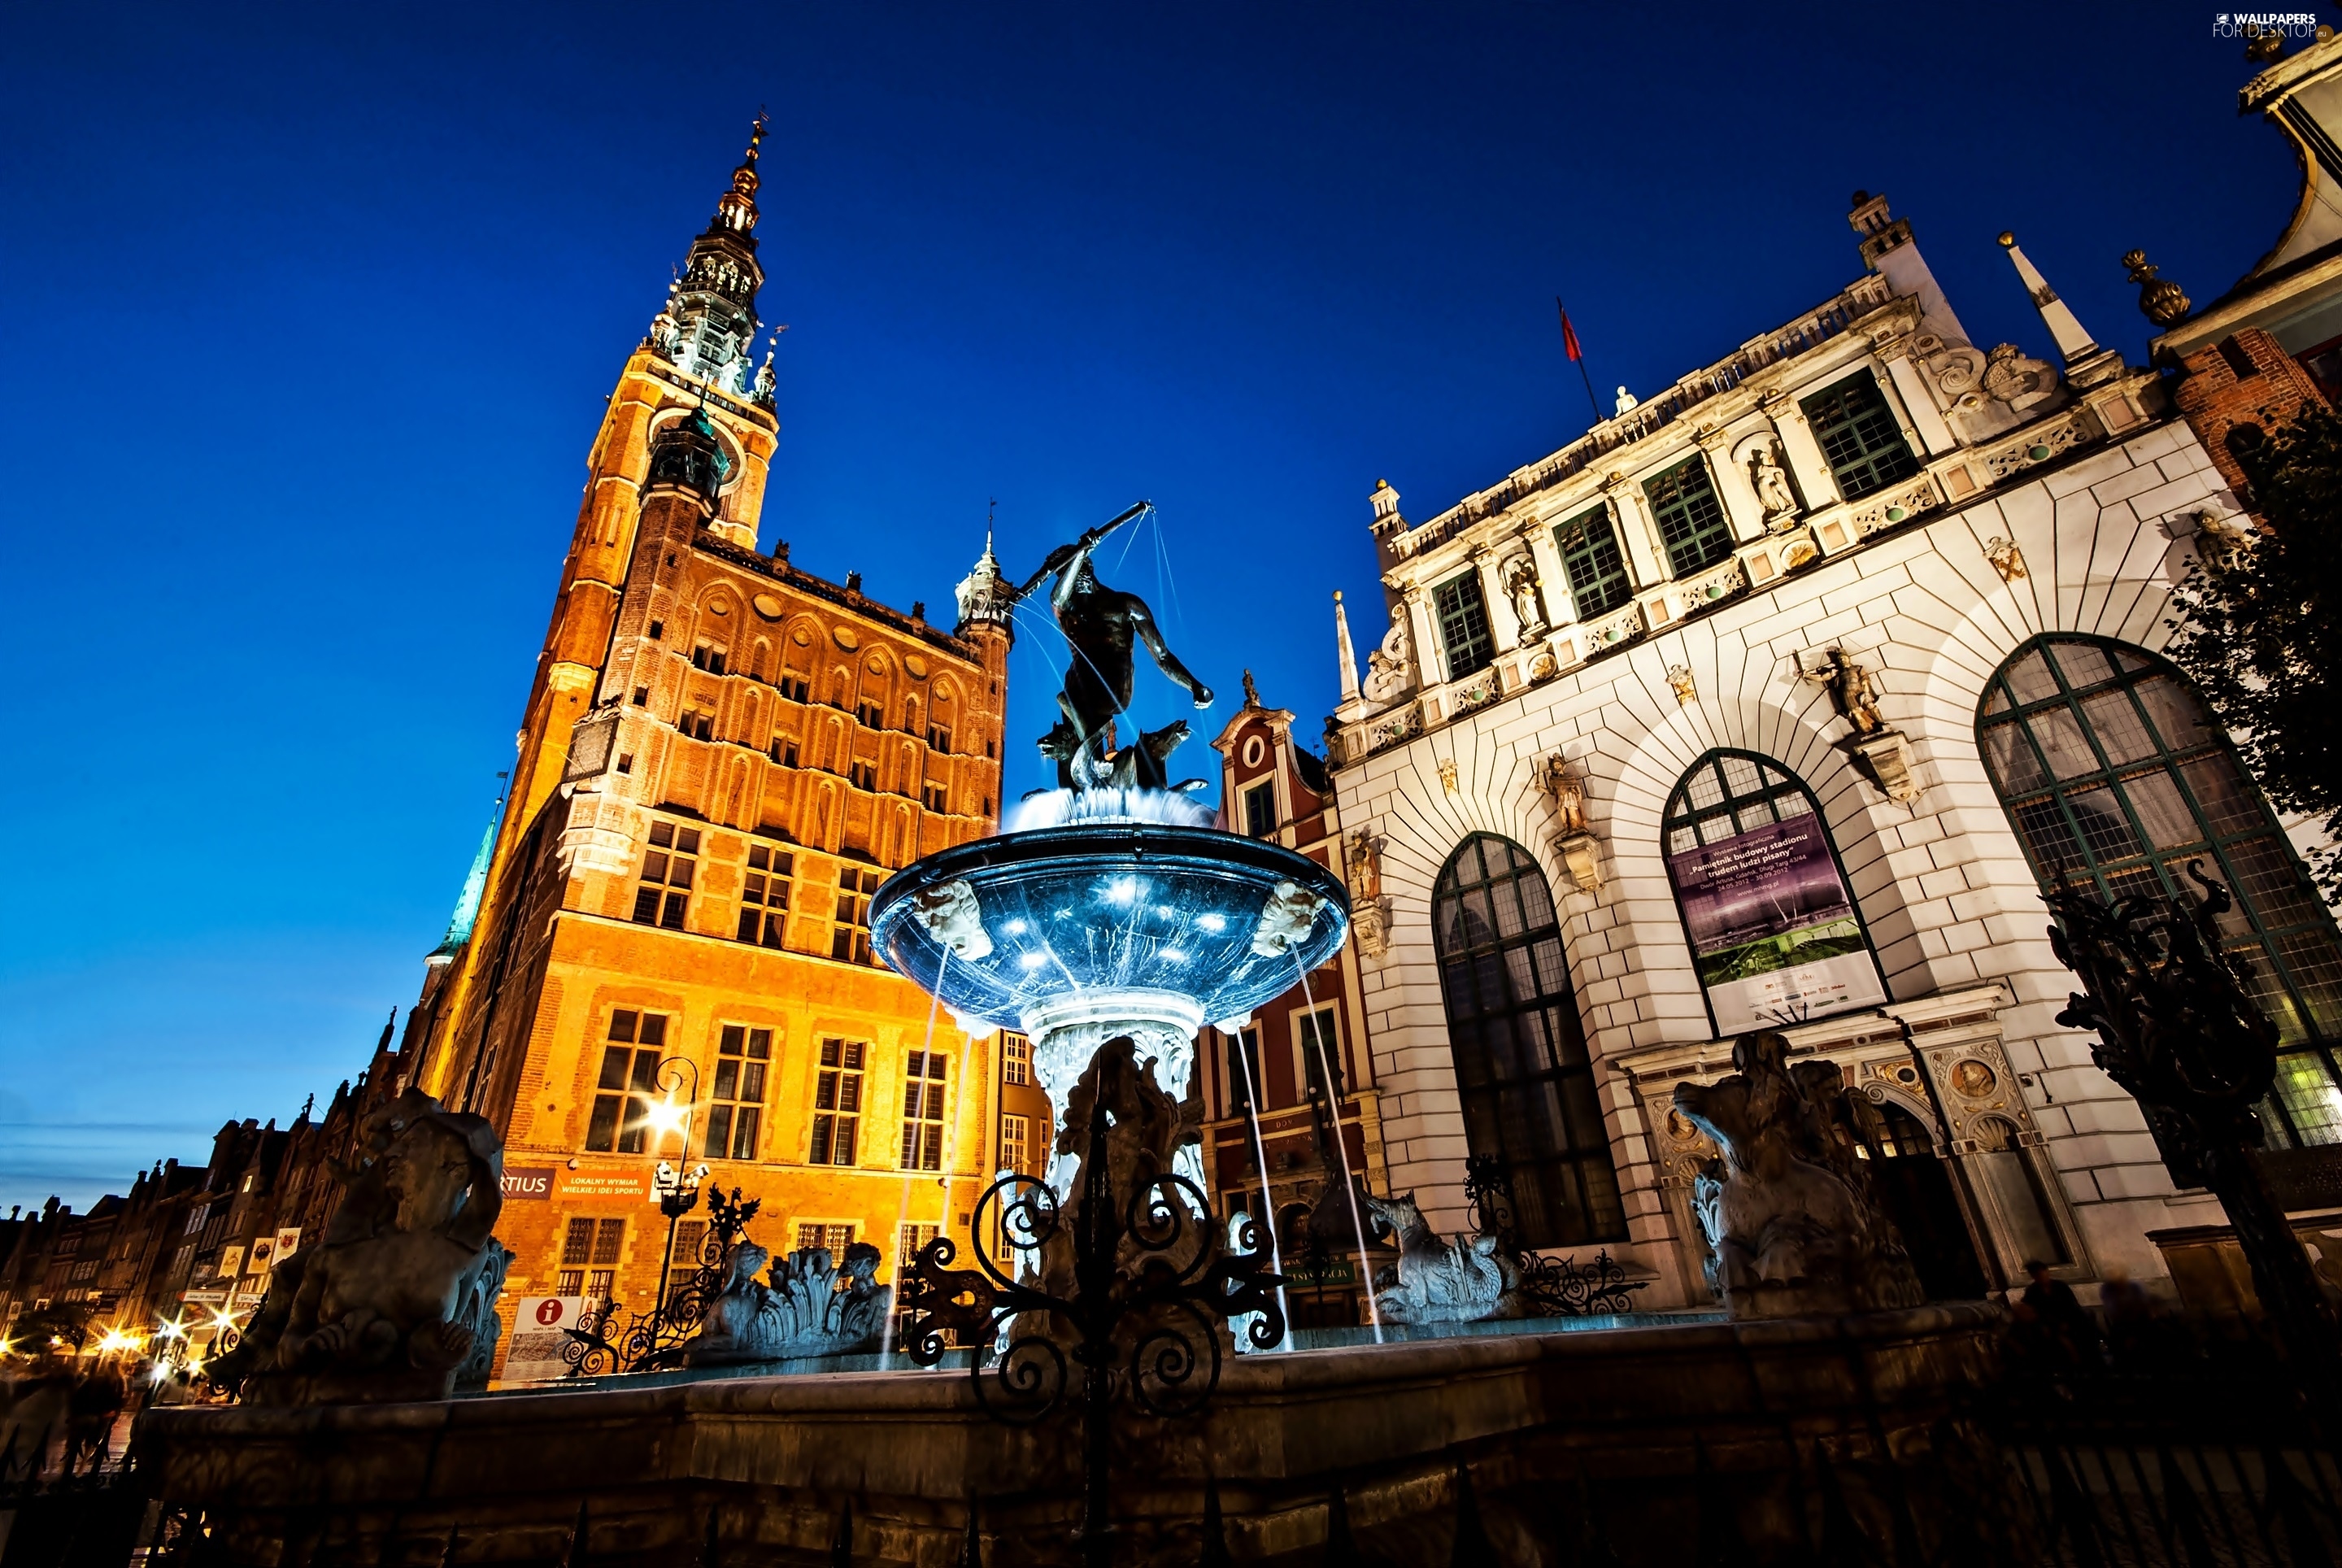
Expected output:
(400, 1297)
(1793, 1226)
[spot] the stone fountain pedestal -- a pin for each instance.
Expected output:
(1662, 1423)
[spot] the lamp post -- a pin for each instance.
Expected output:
(673, 1188)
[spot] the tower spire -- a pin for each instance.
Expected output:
(709, 321)
(1345, 651)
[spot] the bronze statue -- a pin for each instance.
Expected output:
(1101, 624)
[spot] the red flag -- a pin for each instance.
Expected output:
(1568, 333)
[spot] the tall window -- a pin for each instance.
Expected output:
(1260, 810)
(870, 713)
(1522, 1068)
(1773, 931)
(851, 940)
(1463, 616)
(837, 1102)
(1858, 436)
(1595, 566)
(1016, 1058)
(589, 1259)
(939, 739)
(1321, 1052)
(765, 896)
(1690, 516)
(923, 1111)
(1015, 1141)
(667, 868)
(628, 1082)
(1244, 1087)
(737, 1093)
(2115, 775)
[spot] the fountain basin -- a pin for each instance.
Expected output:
(1070, 932)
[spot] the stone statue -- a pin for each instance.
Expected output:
(1388, 667)
(1851, 691)
(400, 1294)
(1567, 791)
(1101, 623)
(1435, 1280)
(1362, 860)
(1789, 1234)
(1520, 577)
(1627, 401)
(1771, 485)
(816, 1305)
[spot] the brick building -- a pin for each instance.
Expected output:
(1265, 1083)
(662, 953)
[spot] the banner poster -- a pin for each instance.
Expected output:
(1772, 928)
(538, 1339)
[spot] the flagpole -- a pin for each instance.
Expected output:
(1571, 347)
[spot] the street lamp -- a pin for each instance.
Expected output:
(674, 1189)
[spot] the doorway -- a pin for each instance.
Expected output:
(1916, 1190)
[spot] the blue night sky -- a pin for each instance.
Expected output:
(309, 315)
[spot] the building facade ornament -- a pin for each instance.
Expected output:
(1679, 679)
(1770, 480)
(1519, 575)
(2160, 300)
(1390, 669)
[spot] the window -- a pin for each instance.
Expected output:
(589, 1259)
(933, 797)
(658, 629)
(1244, 1069)
(922, 1111)
(1774, 932)
(1016, 1058)
(1260, 810)
(833, 1239)
(837, 1102)
(1321, 1052)
(1858, 436)
(2114, 774)
(625, 762)
(690, 1254)
(795, 687)
(181, 1258)
(667, 868)
(765, 896)
(736, 1113)
(1463, 617)
(783, 751)
(707, 658)
(908, 1245)
(862, 775)
(1015, 1141)
(1595, 567)
(642, 696)
(851, 941)
(939, 739)
(872, 715)
(696, 726)
(1691, 519)
(1522, 1069)
(629, 1079)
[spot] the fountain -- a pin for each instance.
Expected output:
(1110, 922)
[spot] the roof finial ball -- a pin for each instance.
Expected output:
(2160, 300)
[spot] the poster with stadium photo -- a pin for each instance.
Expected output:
(1773, 929)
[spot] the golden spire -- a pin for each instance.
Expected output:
(736, 209)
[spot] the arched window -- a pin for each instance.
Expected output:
(1521, 1063)
(1773, 929)
(2114, 774)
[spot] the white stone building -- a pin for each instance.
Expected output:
(1621, 688)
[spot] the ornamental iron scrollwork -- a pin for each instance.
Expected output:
(1551, 1287)
(1143, 1287)
(609, 1339)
